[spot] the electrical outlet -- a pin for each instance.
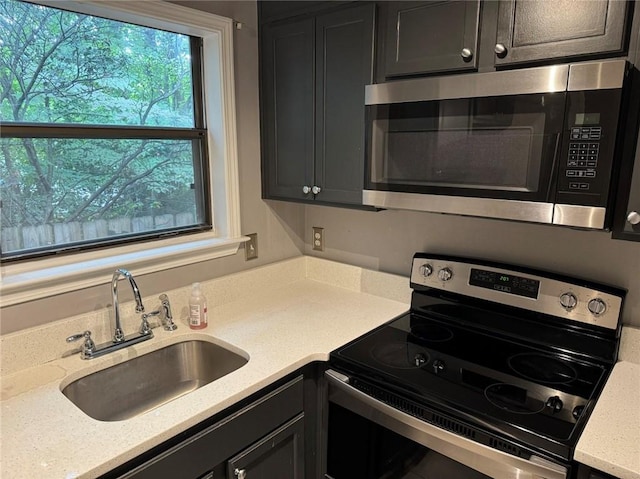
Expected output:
(318, 238)
(251, 247)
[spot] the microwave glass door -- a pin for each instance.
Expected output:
(497, 147)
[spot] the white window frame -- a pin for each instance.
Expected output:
(44, 277)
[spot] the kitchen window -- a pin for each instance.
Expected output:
(117, 122)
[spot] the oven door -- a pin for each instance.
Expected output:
(369, 439)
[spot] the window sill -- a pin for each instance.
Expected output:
(22, 282)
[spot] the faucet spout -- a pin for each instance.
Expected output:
(118, 335)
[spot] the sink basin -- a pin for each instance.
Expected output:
(138, 385)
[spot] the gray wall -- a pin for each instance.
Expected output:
(387, 240)
(279, 230)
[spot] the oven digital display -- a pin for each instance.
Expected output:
(507, 283)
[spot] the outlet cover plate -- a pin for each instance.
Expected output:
(318, 238)
(251, 247)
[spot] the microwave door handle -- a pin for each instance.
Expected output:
(496, 464)
(553, 169)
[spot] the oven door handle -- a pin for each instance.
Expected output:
(489, 461)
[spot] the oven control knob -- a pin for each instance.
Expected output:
(577, 412)
(445, 274)
(438, 365)
(426, 270)
(419, 359)
(555, 403)
(597, 307)
(568, 301)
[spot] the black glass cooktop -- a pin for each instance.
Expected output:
(494, 380)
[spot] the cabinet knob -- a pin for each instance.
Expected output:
(501, 50)
(633, 218)
(466, 54)
(316, 189)
(306, 189)
(240, 473)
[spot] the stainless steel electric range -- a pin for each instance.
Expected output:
(491, 374)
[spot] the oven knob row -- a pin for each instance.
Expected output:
(568, 301)
(445, 274)
(438, 365)
(597, 307)
(555, 404)
(426, 270)
(419, 359)
(577, 412)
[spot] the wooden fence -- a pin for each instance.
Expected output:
(28, 237)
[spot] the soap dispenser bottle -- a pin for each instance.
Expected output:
(197, 308)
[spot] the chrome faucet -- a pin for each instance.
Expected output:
(118, 335)
(90, 350)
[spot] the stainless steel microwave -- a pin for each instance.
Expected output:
(534, 144)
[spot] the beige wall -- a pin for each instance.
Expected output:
(279, 230)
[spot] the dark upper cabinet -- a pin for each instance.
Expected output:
(314, 71)
(629, 226)
(540, 30)
(344, 65)
(288, 108)
(626, 225)
(429, 37)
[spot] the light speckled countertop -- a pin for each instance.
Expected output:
(304, 308)
(611, 440)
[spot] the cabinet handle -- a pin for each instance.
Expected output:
(240, 473)
(633, 218)
(501, 50)
(306, 189)
(466, 54)
(316, 189)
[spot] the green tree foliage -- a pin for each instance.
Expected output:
(81, 72)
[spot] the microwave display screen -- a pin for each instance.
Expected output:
(587, 119)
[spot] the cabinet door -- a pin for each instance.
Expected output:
(344, 65)
(288, 108)
(533, 30)
(279, 455)
(429, 37)
(627, 221)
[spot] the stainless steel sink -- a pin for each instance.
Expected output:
(146, 382)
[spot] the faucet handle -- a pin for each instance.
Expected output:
(88, 348)
(165, 314)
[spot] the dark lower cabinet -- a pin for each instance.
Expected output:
(540, 30)
(263, 439)
(276, 456)
(314, 71)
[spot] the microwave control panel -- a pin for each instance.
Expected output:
(588, 145)
(582, 161)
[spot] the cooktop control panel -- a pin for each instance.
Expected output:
(545, 294)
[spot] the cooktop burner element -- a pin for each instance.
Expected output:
(542, 368)
(431, 333)
(496, 346)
